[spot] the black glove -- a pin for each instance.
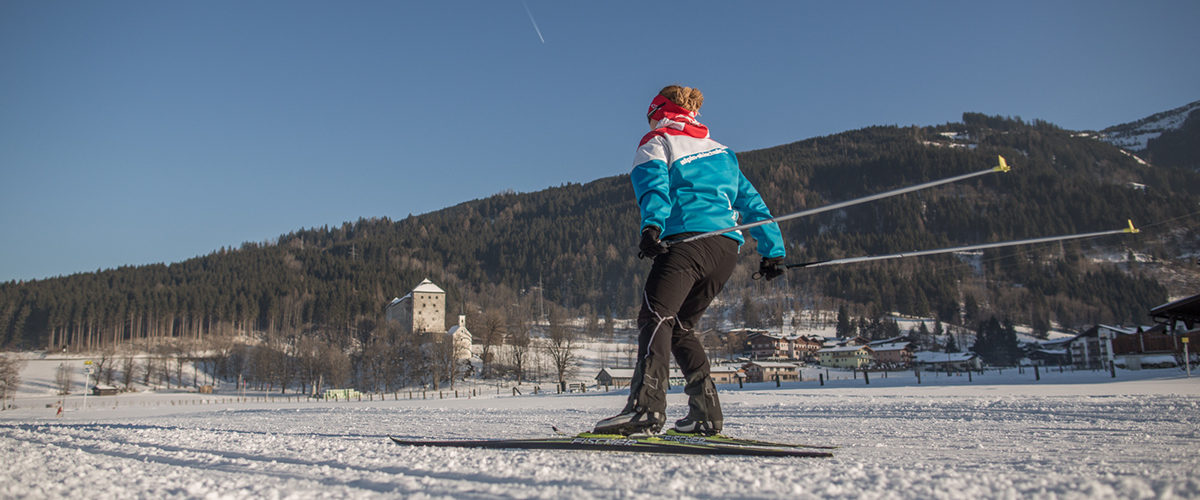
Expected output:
(770, 267)
(650, 245)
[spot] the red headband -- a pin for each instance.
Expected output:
(662, 107)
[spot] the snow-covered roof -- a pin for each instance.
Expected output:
(942, 357)
(628, 373)
(1056, 343)
(893, 346)
(846, 348)
(1187, 307)
(427, 287)
(772, 364)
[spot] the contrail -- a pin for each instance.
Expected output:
(535, 26)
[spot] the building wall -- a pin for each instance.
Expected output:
(429, 312)
(846, 359)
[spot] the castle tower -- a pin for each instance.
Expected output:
(422, 310)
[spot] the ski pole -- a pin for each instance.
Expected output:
(848, 260)
(1001, 167)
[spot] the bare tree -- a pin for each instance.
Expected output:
(335, 365)
(147, 369)
(591, 328)
(491, 337)
(127, 371)
(518, 343)
(443, 364)
(104, 365)
(412, 358)
(377, 363)
(630, 349)
(181, 354)
(64, 379)
(308, 362)
(561, 346)
(10, 378)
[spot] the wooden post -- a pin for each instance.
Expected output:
(1037, 374)
(821, 378)
(866, 376)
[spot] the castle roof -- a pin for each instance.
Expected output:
(427, 287)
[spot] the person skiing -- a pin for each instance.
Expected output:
(685, 183)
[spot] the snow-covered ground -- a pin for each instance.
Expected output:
(1000, 435)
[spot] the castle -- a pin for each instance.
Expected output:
(423, 311)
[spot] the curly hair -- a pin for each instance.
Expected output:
(686, 97)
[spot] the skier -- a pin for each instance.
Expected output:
(685, 183)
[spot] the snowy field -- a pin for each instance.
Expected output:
(1071, 435)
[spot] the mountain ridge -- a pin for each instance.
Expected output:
(573, 246)
(1135, 136)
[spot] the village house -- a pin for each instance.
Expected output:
(1092, 349)
(1049, 353)
(726, 374)
(763, 371)
(763, 345)
(806, 347)
(1179, 317)
(104, 390)
(892, 355)
(848, 356)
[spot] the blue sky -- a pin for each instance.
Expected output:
(143, 132)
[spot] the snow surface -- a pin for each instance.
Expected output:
(1136, 136)
(1001, 435)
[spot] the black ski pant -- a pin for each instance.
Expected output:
(681, 285)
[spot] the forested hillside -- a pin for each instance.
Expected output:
(575, 246)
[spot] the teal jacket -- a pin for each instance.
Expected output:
(686, 182)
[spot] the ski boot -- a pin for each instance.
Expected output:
(635, 420)
(704, 408)
(693, 425)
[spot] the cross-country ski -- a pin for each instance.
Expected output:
(660, 444)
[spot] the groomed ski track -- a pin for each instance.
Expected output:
(1078, 435)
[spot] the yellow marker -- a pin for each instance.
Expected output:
(1132, 230)
(1003, 166)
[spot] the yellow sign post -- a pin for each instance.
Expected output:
(1187, 358)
